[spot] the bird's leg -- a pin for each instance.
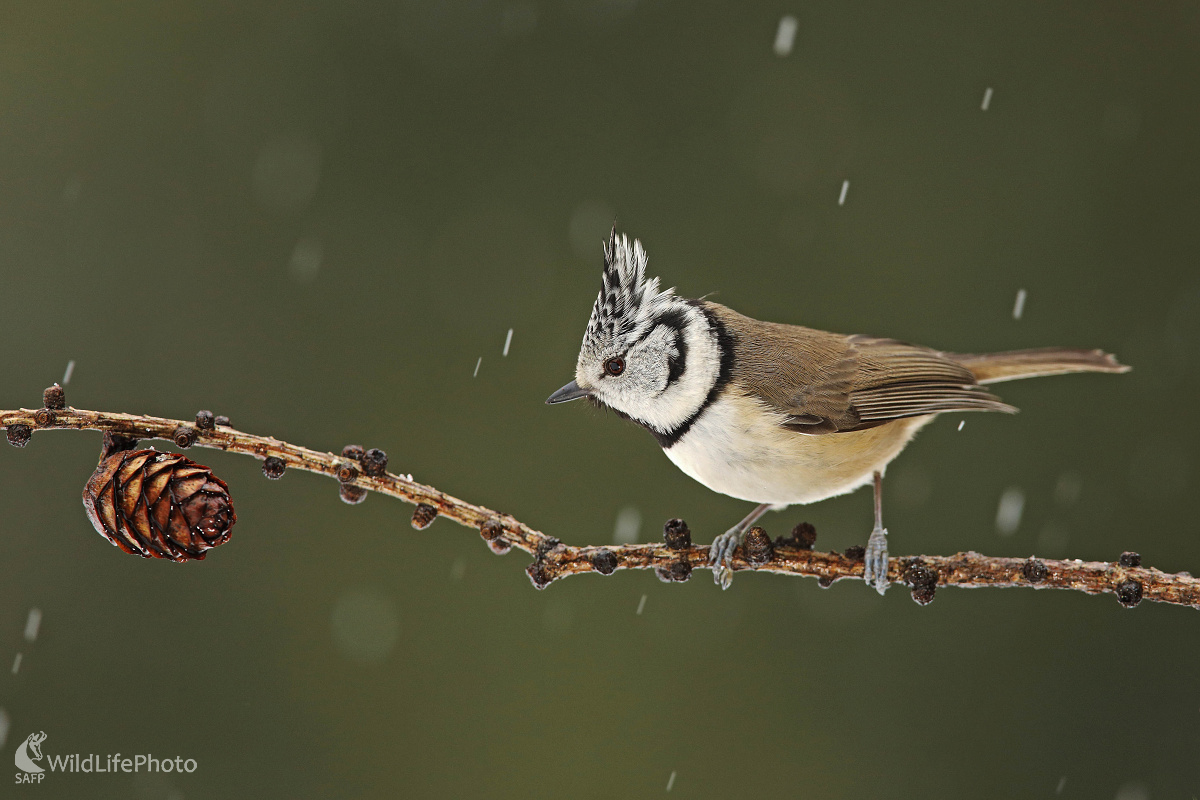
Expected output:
(876, 561)
(721, 551)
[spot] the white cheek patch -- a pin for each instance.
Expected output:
(647, 396)
(649, 363)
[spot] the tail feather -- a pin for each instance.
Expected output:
(1014, 364)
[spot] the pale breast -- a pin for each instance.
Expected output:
(737, 448)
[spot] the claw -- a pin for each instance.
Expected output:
(875, 564)
(719, 556)
(724, 577)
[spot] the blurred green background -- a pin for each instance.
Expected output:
(316, 217)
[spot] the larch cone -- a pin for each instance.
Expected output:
(159, 505)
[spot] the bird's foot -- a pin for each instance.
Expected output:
(721, 553)
(875, 565)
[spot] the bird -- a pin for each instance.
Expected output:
(777, 414)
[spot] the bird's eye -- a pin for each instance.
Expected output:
(614, 366)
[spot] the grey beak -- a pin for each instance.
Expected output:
(572, 391)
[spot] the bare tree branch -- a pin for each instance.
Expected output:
(673, 560)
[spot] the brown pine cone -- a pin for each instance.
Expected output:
(159, 505)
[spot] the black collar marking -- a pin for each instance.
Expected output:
(725, 347)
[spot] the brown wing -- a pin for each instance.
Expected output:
(829, 383)
(897, 380)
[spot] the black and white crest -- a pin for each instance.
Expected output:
(628, 303)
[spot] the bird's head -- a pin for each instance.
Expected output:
(647, 354)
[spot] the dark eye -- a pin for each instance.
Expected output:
(614, 366)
